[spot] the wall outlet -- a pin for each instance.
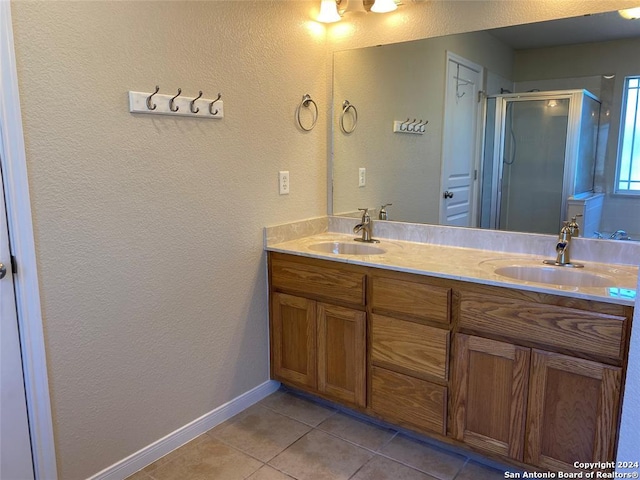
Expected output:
(284, 182)
(362, 177)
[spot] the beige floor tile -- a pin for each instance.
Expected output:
(141, 475)
(320, 456)
(426, 458)
(361, 433)
(297, 408)
(209, 459)
(178, 452)
(477, 471)
(260, 432)
(269, 473)
(382, 468)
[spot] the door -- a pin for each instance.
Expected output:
(293, 339)
(15, 455)
(573, 411)
(490, 395)
(342, 353)
(461, 141)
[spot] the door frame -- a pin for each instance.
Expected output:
(478, 141)
(18, 205)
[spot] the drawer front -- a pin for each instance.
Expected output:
(427, 302)
(326, 282)
(408, 401)
(565, 328)
(414, 347)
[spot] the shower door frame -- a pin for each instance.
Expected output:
(571, 146)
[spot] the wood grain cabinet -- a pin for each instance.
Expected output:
(316, 345)
(546, 409)
(410, 332)
(524, 376)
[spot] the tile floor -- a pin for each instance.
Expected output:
(286, 437)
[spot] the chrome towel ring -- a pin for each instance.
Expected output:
(306, 100)
(346, 107)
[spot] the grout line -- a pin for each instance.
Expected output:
(461, 468)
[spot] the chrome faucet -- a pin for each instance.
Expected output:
(365, 226)
(563, 247)
(619, 234)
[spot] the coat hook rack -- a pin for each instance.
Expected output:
(176, 104)
(410, 126)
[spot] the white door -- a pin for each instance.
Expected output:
(460, 142)
(15, 445)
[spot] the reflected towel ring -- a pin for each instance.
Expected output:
(172, 102)
(211, 105)
(193, 107)
(346, 106)
(306, 100)
(152, 106)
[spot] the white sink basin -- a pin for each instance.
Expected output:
(555, 276)
(344, 248)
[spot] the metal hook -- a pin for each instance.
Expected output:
(423, 125)
(171, 102)
(403, 125)
(211, 105)
(411, 125)
(193, 102)
(153, 106)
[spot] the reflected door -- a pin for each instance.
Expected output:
(533, 160)
(460, 142)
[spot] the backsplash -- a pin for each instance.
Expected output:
(593, 250)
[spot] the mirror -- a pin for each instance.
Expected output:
(403, 86)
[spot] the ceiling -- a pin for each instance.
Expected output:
(599, 27)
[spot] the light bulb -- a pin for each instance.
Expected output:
(630, 13)
(328, 12)
(384, 6)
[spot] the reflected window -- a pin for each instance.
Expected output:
(628, 178)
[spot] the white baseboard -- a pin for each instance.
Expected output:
(160, 448)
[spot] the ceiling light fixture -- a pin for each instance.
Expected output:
(333, 10)
(384, 6)
(328, 12)
(630, 13)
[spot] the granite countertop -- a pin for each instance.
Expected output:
(471, 265)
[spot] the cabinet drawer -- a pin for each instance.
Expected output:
(568, 329)
(408, 401)
(414, 347)
(427, 302)
(333, 283)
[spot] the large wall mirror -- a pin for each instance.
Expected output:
(523, 128)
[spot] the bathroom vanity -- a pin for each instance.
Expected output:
(512, 369)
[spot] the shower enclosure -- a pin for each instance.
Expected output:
(540, 150)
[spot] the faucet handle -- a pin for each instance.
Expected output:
(365, 212)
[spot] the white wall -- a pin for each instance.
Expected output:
(149, 229)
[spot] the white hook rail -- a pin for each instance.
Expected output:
(410, 126)
(181, 105)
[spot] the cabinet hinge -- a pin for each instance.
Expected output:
(14, 265)
(481, 95)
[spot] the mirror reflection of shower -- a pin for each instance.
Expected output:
(539, 160)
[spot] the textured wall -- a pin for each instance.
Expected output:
(148, 229)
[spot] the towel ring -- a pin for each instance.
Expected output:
(346, 106)
(306, 100)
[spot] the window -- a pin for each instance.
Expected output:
(628, 178)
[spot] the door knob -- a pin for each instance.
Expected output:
(447, 194)
(3, 271)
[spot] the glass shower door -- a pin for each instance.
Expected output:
(533, 160)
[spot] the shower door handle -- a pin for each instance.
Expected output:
(447, 194)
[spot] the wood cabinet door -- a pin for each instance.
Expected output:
(490, 395)
(342, 353)
(293, 339)
(573, 411)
